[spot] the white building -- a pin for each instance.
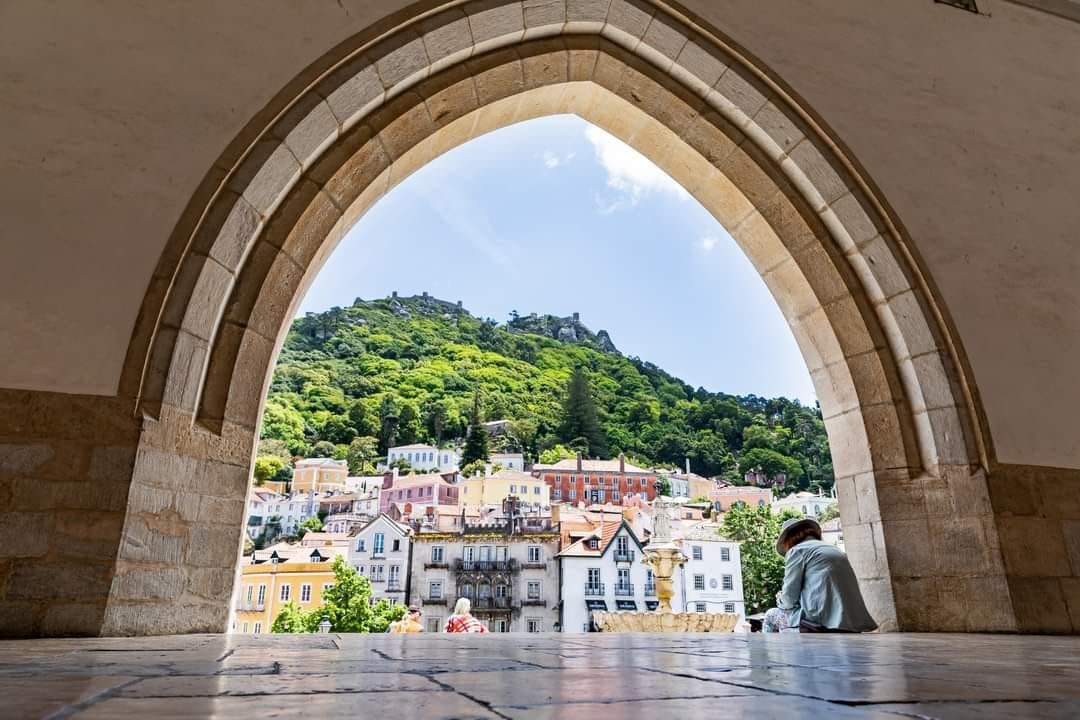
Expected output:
(363, 484)
(601, 569)
(711, 579)
(382, 551)
(832, 533)
(680, 486)
(265, 506)
(509, 461)
(425, 457)
(807, 503)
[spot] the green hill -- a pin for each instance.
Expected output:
(404, 370)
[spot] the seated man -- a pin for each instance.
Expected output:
(820, 592)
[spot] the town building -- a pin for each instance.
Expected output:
(406, 496)
(320, 475)
(281, 574)
(269, 511)
(723, 496)
(596, 481)
(505, 565)
(833, 533)
(363, 484)
(425, 457)
(381, 550)
(711, 579)
(492, 489)
(600, 569)
(509, 461)
(809, 504)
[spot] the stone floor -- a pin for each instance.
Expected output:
(531, 677)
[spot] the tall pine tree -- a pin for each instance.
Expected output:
(579, 415)
(476, 444)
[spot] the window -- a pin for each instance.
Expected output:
(250, 590)
(536, 489)
(725, 554)
(729, 607)
(485, 553)
(699, 582)
(696, 550)
(624, 577)
(534, 554)
(305, 593)
(615, 495)
(434, 624)
(727, 582)
(469, 554)
(558, 494)
(360, 569)
(437, 554)
(700, 607)
(533, 590)
(360, 545)
(395, 574)
(622, 545)
(435, 590)
(379, 545)
(285, 591)
(325, 587)
(534, 625)
(408, 493)
(573, 494)
(377, 572)
(262, 594)
(397, 546)
(245, 627)
(501, 591)
(513, 489)
(258, 628)
(594, 577)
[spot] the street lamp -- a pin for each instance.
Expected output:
(324, 624)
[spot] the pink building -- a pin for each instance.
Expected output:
(724, 496)
(417, 491)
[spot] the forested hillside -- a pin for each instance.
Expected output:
(403, 370)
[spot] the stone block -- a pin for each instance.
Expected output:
(975, 604)
(452, 101)
(211, 583)
(1059, 492)
(867, 558)
(25, 534)
(737, 92)
(961, 546)
(149, 584)
(282, 284)
(357, 96)
(137, 618)
(778, 126)
(207, 302)
(111, 465)
(141, 543)
(494, 23)
(586, 16)
(581, 63)
(714, 138)
(544, 17)
(917, 601)
(447, 38)
(608, 72)
(406, 128)
(1070, 589)
(742, 167)
(24, 459)
(909, 550)
(949, 443)
(453, 134)
(849, 444)
(850, 325)
(500, 76)
(855, 219)
(401, 60)
(52, 581)
(816, 340)
(545, 68)
(249, 378)
(697, 67)
(790, 290)
(73, 619)
(1033, 547)
(86, 534)
(1039, 605)
(315, 132)
(900, 495)
(626, 23)
(722, 199)
(221, 511)
(212, 545)
(663, 40)
(849, 507)
(272, 179)
(1013, 493)
(17, 619)
(824, 177)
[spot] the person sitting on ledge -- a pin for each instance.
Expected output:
(462, 620)
(820, 592)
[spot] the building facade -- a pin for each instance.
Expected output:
(483, 490)
(596, 481)
(280, 575)
(509, 461)
(711, 578)
(319, 475)
(724, 496)
(381, 551)
(267, 509)
(411, 494)
(506, 567)
(425, 457)
(807, 503)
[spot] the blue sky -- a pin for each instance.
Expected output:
(556, 216)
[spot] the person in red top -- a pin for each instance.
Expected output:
(462, 621)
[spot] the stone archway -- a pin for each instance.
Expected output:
(908, 447)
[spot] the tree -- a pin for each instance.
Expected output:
(324, 449)
(829, 513)
(267, 468)
(408, 429)
(436, 415)
(362, 451)
(290, 620)
(338, 429)
(555, 454)
(579, 415)
(348, 603)
(275, 448)
(312, 524)
(769, 462)
(476, 444)
(756, 530)
(388, 422)
(524, 432)
(402, 464)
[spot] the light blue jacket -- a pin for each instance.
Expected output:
(820, 588)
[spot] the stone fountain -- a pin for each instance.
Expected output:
(663, 556)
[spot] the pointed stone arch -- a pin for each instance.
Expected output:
(902, 417)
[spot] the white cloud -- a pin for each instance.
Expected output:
(630, 174)
(552, 161)
(708, 242)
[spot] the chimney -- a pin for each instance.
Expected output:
(556, 512)
(622, 463)
(388, 478)
(579, 462)
(687, 466)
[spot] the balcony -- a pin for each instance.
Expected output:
(379, 579)
(251, 607)
(534, 602)
(494, 604)
(534, 565)
(394, 586)
(378, 555)
(486, 565)
(594, 589)
(624, 556)
(624, 590)
(441, 600)
(650, 589)
(440, 565)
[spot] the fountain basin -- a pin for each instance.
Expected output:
(665, 622)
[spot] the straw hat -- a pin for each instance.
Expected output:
(791, 527)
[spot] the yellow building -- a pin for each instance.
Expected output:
(493, 489)
(319, 475)
(282, 574)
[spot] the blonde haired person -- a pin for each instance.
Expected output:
(408, 624)
(462, 620)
